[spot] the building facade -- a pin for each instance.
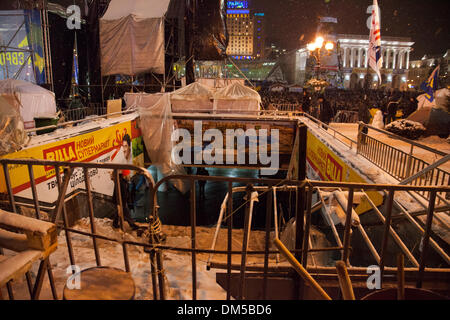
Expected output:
(246, 31)
(353, 52)
(420, 70)
(352, 64)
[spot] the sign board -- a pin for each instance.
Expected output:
(324, 165)
(99, 146)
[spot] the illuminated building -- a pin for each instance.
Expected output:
(347, 65)
(245, 30)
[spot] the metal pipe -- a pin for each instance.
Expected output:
(344, 281)
(387, 226)
(91, 215)
(301, 271)
(193, 213)
(395, 236)
(348, 225)
(229, 238)
(426, 238)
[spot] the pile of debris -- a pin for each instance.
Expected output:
(407, 129)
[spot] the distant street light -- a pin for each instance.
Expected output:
(315, 48)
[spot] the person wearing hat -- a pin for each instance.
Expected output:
(324, 110)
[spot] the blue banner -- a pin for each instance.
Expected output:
(21, 36)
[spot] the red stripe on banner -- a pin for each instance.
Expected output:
(315, 169)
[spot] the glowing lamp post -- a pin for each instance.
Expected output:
(315, 48)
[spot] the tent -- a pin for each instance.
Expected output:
(236, 98)
(132, 37)
(33, 101)
(440, 99)
(192, 98)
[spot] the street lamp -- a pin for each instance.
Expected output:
(315, 48)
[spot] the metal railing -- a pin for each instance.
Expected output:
(94, 109)
(400, 164)
(155, 248)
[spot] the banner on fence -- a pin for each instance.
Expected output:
(100, 146)
(324, 165)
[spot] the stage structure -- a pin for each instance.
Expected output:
(25, 46)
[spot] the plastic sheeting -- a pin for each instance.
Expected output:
(192, 98)
(157, 125)
(132, 45)
(141, 8)
(237, 98)
(134, 100)
(12, 133)
(34, 101)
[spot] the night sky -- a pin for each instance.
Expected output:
(292, 23)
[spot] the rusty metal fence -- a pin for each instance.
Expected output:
(305, 190)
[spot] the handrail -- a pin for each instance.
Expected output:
(332, 129)
(65, 124)
(416, 144)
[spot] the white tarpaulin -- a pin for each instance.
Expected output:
(192, 98)
(236, 98)
(34, 101)
(132, 37)
(134, 100)
(141, 8)
(157, 126)
(440, 99)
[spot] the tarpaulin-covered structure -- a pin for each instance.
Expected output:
(12, 132)
(192, 98)
(132, 37)
(236, 98)
(33, 100)
(434, 115)
(157, 126)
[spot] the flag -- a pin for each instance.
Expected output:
(374, 54)
(430, 85)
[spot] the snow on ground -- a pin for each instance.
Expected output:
(350, 130)
(177, 266)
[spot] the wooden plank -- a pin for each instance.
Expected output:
(15, 267)
(13, 241)
(40, 234)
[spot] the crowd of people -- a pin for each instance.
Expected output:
(327, 104)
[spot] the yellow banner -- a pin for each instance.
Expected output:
(98, 146)
(325, 165)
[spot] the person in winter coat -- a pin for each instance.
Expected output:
(325, 112)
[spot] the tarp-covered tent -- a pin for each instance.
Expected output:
(236, 98)
(434, 115)
(440, 99)
(192, 98)
(157, 126)
(33, 100)
(132, 37)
